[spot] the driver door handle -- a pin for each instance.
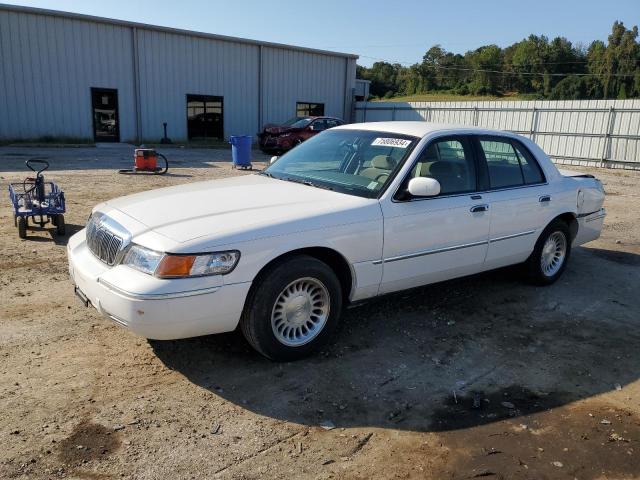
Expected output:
(479, 208)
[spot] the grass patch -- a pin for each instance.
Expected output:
(452, 97)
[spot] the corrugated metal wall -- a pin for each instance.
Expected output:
(47, 66)
(172, 66)
(49, 62)
(581, 132)
(290, 76)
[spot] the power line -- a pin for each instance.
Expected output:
(502, 72)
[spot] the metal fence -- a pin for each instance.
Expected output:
(602, 133)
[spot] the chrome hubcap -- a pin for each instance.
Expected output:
(300, 312)
(553, 253)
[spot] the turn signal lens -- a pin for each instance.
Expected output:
(175, 266)
(216, 263)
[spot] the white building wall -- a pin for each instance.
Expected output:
(291, 76)
(173, 65)
(49, 61)
(47, 68)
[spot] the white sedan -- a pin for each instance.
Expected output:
(355, 212)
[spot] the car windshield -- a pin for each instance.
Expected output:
(298, 122)
(356, 162)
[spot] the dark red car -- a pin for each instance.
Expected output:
(280, 138)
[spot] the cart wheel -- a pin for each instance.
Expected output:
(22, 227)
(59, 223)
(15, 220)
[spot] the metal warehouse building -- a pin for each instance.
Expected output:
(70, 76)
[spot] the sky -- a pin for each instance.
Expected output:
(395, 31)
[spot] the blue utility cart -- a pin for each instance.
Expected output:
(34, 198)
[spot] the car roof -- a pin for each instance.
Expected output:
(420, 129)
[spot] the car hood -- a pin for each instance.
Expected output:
(239, 209)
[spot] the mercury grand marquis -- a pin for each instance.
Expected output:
(355, 212)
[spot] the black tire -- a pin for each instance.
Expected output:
(256, 321)
(60, 226)
(533, 266)
(22, 227)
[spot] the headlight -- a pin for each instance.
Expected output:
(142, 259)
(181, 265)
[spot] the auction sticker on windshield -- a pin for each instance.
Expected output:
(391, 142)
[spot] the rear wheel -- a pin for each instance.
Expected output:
(59, 223)
(292, 309)
(22, 227)
(550, 255)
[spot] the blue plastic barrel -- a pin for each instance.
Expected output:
(241, 150)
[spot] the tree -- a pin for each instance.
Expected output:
(485, 61)
(549, 69)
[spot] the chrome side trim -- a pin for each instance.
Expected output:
(508, 237)
(582, 215)
(157, 296)
(588, 218)
(601, 214)
(429, 252)
(119, 321)
(450, 249)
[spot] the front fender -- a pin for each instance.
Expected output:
(359, 244)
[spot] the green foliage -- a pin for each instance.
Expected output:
(535, 67)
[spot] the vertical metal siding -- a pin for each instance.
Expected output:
(174, 65)
(588, 132)
(49, 63)
(48, 66)
(291, 76)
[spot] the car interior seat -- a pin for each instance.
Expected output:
(380, 169)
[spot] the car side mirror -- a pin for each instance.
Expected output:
(424, 187)
(273, 159)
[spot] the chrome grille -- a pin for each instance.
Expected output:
(104, 239)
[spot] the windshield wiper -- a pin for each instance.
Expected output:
(307, 182)
(266, 174)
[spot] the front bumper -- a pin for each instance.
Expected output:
(154, 308)
(274, 143)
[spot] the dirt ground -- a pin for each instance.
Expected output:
(478, 377)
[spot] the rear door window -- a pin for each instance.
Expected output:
(503, 164)
(530, 168)
(509, 164)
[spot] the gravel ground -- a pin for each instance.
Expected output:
(552, 371)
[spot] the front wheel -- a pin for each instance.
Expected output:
(292, 309)
(550, 255)
(59, 224)
(22, 227)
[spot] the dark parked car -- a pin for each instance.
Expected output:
(280, 138)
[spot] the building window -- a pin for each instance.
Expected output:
(204, 117)
(305, 109)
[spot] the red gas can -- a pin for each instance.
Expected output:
(145, 159)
